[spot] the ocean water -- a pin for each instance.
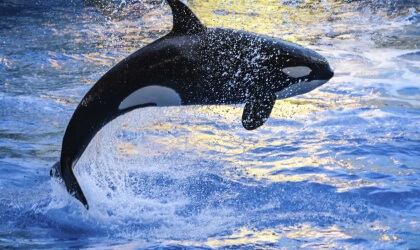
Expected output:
(337, 167)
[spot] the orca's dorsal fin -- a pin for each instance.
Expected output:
(185, 22)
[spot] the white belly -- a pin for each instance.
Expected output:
(159, 95)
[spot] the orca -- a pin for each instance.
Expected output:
(192, 65)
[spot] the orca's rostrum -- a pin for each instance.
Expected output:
(193, 65)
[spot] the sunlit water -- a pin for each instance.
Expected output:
(337, 167)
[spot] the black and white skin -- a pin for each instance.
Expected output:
(193, 65)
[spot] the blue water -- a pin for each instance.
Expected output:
(337, 167)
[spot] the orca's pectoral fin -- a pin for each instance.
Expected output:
(257, 111)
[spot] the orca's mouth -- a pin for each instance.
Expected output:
(328, 74)
(300, 88)
(325, 74)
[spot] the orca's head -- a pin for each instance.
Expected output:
(299, 70)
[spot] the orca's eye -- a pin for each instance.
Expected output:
(296, 72)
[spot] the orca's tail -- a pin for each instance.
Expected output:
(70, 181)
(55, 170)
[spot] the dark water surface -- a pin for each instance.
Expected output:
(337, 167)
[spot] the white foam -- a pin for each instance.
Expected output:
(134, 176)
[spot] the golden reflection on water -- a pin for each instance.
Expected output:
(269, 17)
(127, 149)
(300, 21)
(313, 236)
(298, 236)
(245, 236)
(236, 147)
(305, 236)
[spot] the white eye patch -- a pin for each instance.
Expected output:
(161, 96)
(298, 71)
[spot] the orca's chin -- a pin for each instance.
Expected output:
(299, 88)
